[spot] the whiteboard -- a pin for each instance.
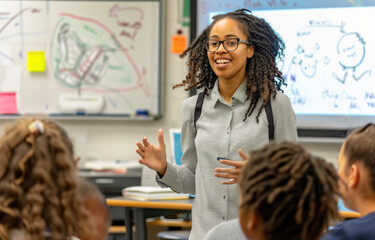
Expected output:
(329, 56)
(329, 68)
(111, 49)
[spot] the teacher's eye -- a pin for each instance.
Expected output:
(213, 43)
(231, 42)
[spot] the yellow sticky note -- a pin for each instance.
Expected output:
(179, 43)
(36, 61)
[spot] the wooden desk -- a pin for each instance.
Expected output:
(347, 214)
(138, 211)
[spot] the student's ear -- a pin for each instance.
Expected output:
(252, 220)
(354, 176)
(250, 51)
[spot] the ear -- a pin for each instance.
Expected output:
(250, 51)
(354, 176)
(252, 221)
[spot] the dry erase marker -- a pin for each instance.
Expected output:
(142, 112)
(221, 158)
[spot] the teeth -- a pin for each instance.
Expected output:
(221, 61)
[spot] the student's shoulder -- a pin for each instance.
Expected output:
(336, 232)
(360, 228)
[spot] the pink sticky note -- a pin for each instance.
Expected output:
(8, 103)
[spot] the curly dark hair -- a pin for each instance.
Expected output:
(262, 75)
(293, 191)
(38, 183)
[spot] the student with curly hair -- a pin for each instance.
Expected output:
(285, 193)
(234, 61)
(38, 184)
(356, 168)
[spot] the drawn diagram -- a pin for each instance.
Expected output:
(78, 63)
(83, 50)
(329, 59)
(351, 50)
(105, 50)
(129, 19)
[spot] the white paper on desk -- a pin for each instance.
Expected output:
(111, 165)
(152, 193)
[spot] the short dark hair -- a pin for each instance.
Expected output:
(292, 190)
(360, 147)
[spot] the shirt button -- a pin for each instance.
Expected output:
(223, 197)
(227, 132)
(223, 218)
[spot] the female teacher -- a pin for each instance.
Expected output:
(234, 61)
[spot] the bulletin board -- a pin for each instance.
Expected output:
(81, 57)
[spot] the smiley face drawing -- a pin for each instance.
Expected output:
(351, 52)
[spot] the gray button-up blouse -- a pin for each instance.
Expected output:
(221, 132)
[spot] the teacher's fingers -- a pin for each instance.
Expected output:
(145, 141)
(161, 138)
(243, 156)
(232, 163)
(225, 173)
(140, 153)
(225, 170)
(140, 146)
(230, 181)
(141, 161)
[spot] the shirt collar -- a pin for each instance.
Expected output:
(239, 94)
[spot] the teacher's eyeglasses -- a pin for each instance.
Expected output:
(230, 44)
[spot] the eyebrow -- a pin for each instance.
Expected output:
(226, 36)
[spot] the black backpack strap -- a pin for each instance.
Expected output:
(271, 125)
(198, 108)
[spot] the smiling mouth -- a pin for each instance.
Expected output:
(222, 61)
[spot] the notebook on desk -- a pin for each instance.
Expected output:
(146, 193)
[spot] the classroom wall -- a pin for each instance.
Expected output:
(115, 139)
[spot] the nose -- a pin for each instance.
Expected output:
(221, 48)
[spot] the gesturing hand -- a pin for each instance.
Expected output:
(233, 173)
(153, 156)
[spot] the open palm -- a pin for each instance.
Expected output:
(153, 156)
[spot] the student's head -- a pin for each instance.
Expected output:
(94, 202)
(286, 193)
(253, 59)
(38, 182)
(356, 166)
